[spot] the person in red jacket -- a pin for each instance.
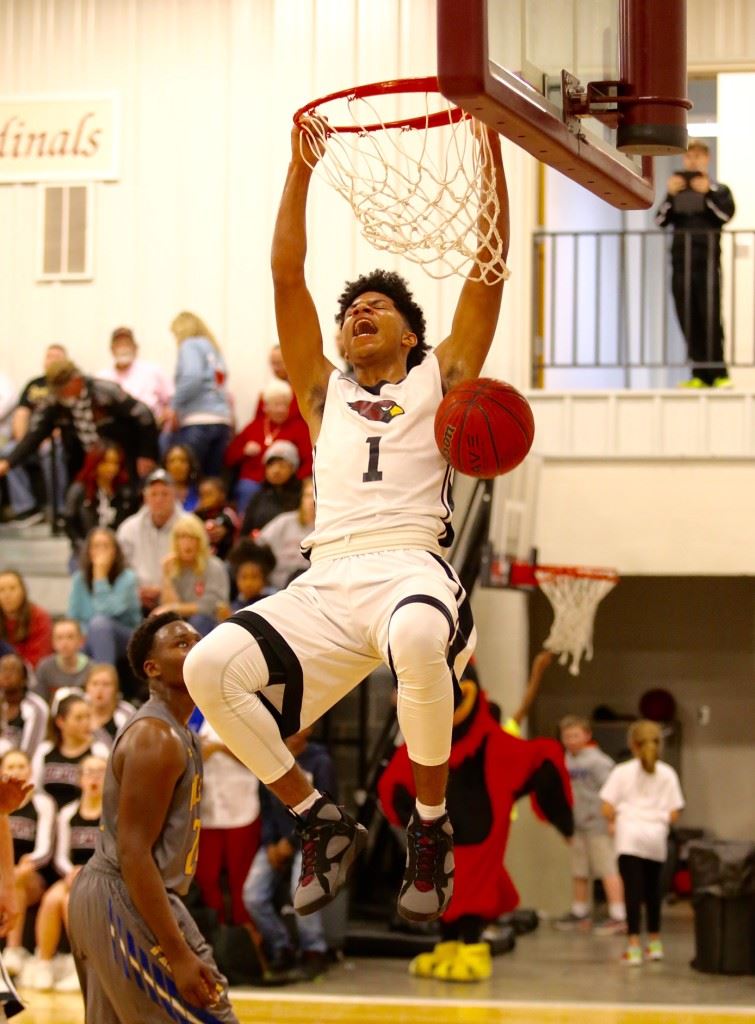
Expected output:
(489, 771)
(26, 626)
(275, 422)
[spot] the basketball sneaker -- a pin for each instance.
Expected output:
(693, 382)
(471, 963)
(723, 382)
(654, 950)
(330, 842)
(425, 965)
(429, 874)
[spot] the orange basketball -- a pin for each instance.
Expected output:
(484, 427)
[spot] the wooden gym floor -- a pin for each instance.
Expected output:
(550, 978)
(290, 1008)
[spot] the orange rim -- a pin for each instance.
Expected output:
(398, 85)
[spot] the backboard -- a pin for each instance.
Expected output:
(594, 88)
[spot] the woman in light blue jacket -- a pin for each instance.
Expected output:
(105, 597)
(201, 403)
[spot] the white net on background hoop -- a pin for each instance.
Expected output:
(575, 594)
(422, 187)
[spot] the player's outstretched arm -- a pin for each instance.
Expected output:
(463, 352)
(149, 762)
(296, 317)
(540, 663)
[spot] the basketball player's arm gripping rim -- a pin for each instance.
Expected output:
(295, 314)
(462, 354)
(150, 760)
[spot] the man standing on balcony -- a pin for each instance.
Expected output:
(697, 208)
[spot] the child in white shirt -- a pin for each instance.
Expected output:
(641, 798)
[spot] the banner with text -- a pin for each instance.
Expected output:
(67, 138)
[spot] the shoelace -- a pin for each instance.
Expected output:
(426, 848)
(308, 858)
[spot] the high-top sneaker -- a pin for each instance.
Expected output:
(429, 874)
(330, 841)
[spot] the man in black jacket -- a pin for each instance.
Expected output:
(89, 413)
(697, 208)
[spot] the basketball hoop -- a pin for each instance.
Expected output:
(428, 197)
(574, 593)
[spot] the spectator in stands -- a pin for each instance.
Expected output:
(146, 381)
(32, 827)
(280, 490)
(109, 712)
(280, 372)
(24, 714)
(91, 413)
(280, 854)
(284, 535)
(78, 826)
(246, 452)
(67, 666)
(202, 410)
(101, 495)
(8, 400)
(24, 496)
(696, 208)
(181, 462)
(195, 583)
(70, 739)
(251, 565)
(24, 625)
(231, 826)
(219, 518)
(104, 597)
(145, 536)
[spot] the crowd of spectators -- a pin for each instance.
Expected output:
(166, 508)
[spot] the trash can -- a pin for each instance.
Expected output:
(723, 898)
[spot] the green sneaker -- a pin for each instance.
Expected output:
(723, 382)
(654, 950)
(693, 382)
(632, 956)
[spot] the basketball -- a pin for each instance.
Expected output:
(484, 427)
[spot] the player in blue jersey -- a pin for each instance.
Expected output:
(378, 590)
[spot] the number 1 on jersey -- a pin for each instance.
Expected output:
(373, 473)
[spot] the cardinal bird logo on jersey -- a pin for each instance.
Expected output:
(380, 412)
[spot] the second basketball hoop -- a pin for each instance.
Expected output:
(421, 182)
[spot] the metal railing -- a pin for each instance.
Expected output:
(602, 306)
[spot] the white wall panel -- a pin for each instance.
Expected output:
(720, 35)
(207, 91)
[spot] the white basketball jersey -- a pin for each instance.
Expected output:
(376, 464)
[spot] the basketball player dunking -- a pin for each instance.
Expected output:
(138, 953)
(378, 589)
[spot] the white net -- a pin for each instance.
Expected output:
(575, 595)
(426, 193)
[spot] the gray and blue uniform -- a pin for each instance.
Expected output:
(123, 972)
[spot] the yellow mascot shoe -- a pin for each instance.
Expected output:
(424, 965)
(471, 963)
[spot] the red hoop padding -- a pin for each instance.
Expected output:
(524, 574)
(398, 85)
(583, 572)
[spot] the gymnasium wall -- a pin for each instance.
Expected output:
(207, 89)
